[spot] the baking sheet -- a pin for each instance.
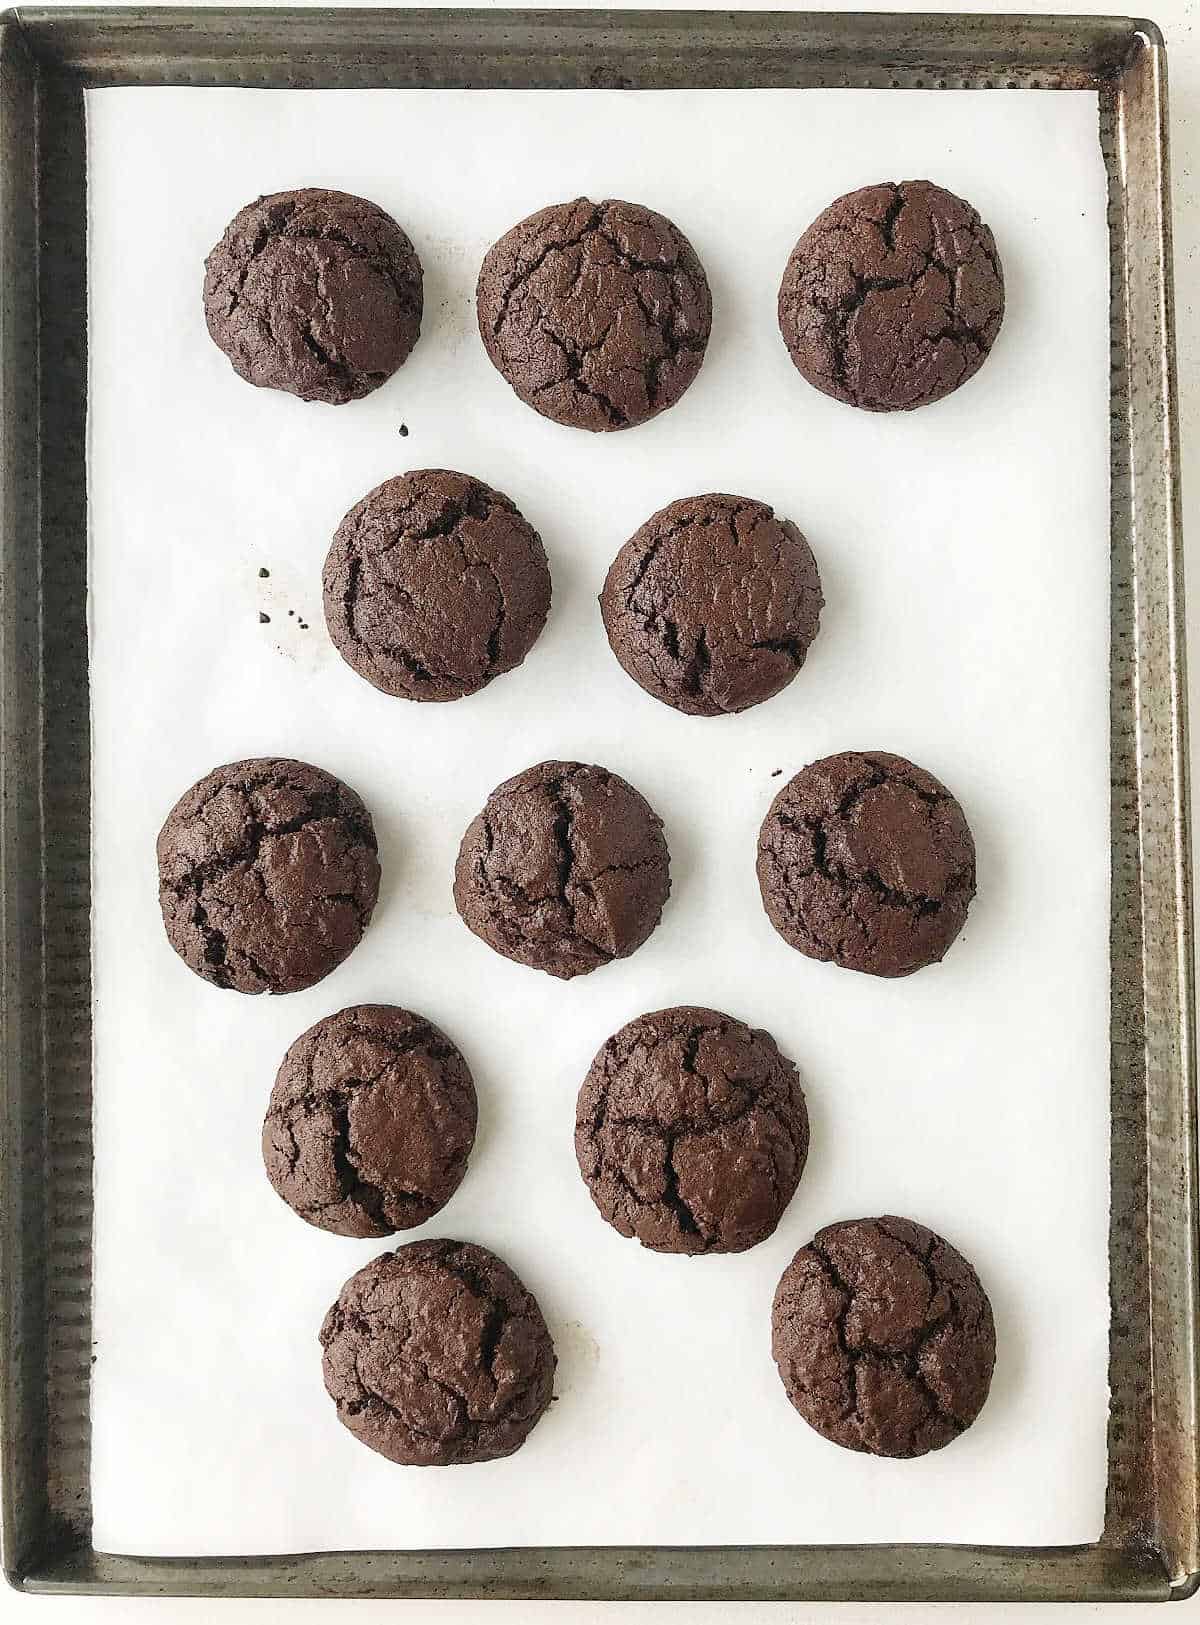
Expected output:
(964, 556)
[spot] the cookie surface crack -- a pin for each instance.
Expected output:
(713, 604)
(911, 1340)
(893, 296)
(584, 328)
(463, 1352)
(671, 1101)
(868, 861)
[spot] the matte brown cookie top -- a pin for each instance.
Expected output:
(597, 314)
(691, 1132)
(436, 1354)
(712, 605)
(434, 585)
(268, 875)
(893, 296)
(883, 1337)
(565, 869)
(868, 861)
(370, 1122)
(317, 293)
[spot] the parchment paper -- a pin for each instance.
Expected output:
(964, 555)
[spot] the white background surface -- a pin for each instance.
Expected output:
(951, 542)
(1178, 22)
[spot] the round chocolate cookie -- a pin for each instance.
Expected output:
(712, 604)
(893, 296)
(267, 875)
(436, 1354)
(691, 1132)
(867, 860)
(314, 292)
(597, 314)
(564, 869)
(370, 1122)
(434, 585)
(883, 1337)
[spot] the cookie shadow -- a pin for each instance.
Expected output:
(841, 608)
(574, 633)
(986, 924)
(448, 322)
(490, 1095)
(389, 836)
(1012, 1352)
(578, 1354)
(684, 853)
(811, 1200)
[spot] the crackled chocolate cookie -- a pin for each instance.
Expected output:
(712, 604)
(564, 869)
(597, 314)
(867, 860)
(883, 1337)
(434, 585)
(317, 293)
(370, 1122)
(691, 1132)
(436, 1354)
(267, 875)
(893, 296)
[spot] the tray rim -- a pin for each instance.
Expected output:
(1151, 1545)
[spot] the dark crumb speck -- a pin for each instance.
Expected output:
(291, 611)
(404, 431)
(777, 772)
(263, 618)
(264, 572)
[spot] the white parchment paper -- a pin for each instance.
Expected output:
(964, 554)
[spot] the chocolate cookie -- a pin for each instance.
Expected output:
(867, 860)
(893, 296)
(564, 869)
(597, 314)
(267, 875)
(434, 585)
(436, 1354)
(370, 1122)
(712, 604)
(883, 1337)
(314, 292)
(691, 1132)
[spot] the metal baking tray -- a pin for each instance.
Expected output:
(1150, 1548)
